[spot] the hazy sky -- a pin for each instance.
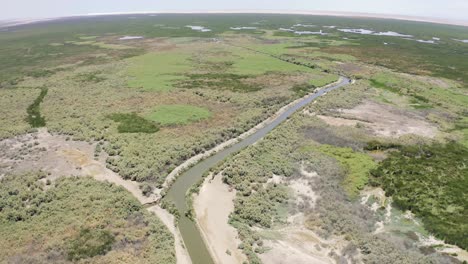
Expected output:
(449, 9)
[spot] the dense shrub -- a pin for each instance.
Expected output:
(90, 243)
(431, 181)
(75, 218)
(34, 114)
(132, 123)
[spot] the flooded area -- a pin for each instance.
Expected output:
(199, 28)
(130, 37)
(243, 28)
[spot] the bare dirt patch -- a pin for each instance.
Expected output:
(354, 69)
(213, 206)
(295, 243)
(383, 120)
(60, 157)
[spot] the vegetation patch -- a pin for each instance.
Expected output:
(254, 63)
(303, 89)
(133, 123)
(357, 167)
(100, 45)
(91, 77)
(90, 243)
(220, 81)
(158, 71)
(431, 181)
(382, 85)
(461, 126)
(324, 80)
(75, 218)
(178, 114)
(34, 114)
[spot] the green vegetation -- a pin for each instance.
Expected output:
(303, 89)
(77, 218)
(92, 77)
(220, 81)
(13, 106)
(323, 80)
(90, 243)
(178, 114)
(34, 114)
(88, 37)
(356, 165)
(158, 71)
(100, 45)
(254, 63)
(431, 181)
(382, 85)
(461, 126)
(132, 123)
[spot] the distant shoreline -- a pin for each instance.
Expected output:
(17, 22)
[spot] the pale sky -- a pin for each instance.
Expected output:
(447, 9)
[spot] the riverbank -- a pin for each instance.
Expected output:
(193, 239)
(197, 158)
(212, 216)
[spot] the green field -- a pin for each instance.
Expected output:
(256, 63)
(158, 71)
(357, 167)
(178, 114)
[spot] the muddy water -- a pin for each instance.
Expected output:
(190, 233)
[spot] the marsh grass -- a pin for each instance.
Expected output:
(133, 123)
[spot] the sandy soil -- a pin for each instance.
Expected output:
(212, 207)
(383, 120)
(294, 243)
(299, 246)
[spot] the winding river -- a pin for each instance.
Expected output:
(177, 193)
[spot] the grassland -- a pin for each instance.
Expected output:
(158, 71)
(356, 165)
(178, 114)
(256, 63)
(323, 80)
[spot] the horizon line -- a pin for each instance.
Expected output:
(435, 20)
